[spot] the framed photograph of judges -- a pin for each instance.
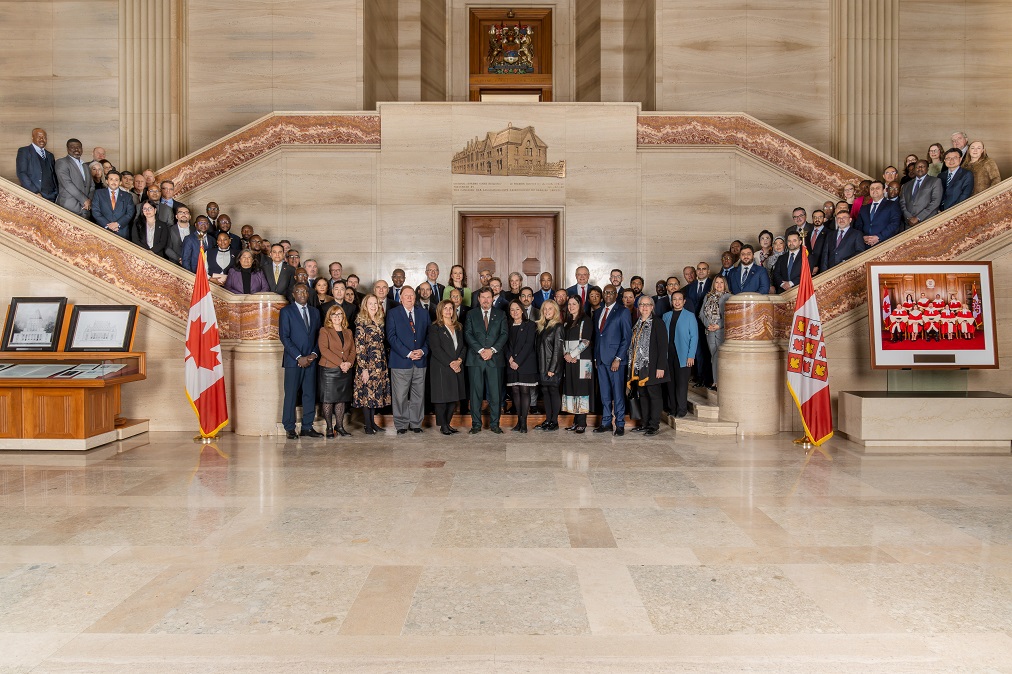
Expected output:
(101, 328)
(932, 315)
(33, 324)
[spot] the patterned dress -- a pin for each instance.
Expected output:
(371, 356)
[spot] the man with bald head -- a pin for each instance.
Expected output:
(36, 167)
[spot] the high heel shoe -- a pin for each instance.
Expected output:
(340, 431)
(378, 429)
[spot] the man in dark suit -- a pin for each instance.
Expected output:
(225, 225)
(816, 241)
(425, 300)
(662, 304)
(843, 244)
(432, 280)
(178, 231)
(36, 167)
(749, 277)
(921, 197)
(726, 265)
(527, 300)
(113, 208)
(612, 331)
(694, 293)
(546, 291)
(76, 188)
(407, 329)
(879, 219)
(381, 289)
(298, 327)
(787, 270)
(957, 183)
(499, 299)
(582, 287)
(168, 205)
(194, 242)
(280, 275)
(350, 308)
(485, 332)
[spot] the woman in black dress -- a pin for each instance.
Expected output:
(549, 347)
(521, 362)
(337, 357)
(648, 369)
(578, 372)
(446, 365)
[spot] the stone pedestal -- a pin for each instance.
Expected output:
(257, 382)
(927, 421)
(750, 368)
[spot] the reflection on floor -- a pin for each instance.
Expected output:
(544, 552)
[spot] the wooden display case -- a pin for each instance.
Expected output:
(68, 401)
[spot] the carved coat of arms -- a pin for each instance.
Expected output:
(510, 49)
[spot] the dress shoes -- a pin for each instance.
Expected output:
(580, 429)
(445, 431)
(453, 430)
(552, 427)
(343, 433)
(604, 429)
(619, 432)
(475, 430)
(415, 430)
(571, 427)
(682, 415)
(311, 433)
(650, 431)
(496, 430)
(523, 429)
(292, 435)
(370, 431)
(401, 431)
(378, 429)
(638, 429)
(541, 426)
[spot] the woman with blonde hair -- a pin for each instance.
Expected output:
(549, 350)
(984, 170)
(372, 383)
(337, 357)
(516, 282)
(446, 365)
(712, 316)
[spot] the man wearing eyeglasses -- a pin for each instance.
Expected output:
(694, 293)
(799, 216)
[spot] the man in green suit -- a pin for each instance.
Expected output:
(485, 332)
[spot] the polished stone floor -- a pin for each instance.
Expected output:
(534, 553)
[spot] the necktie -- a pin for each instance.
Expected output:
(397, 294)
(790, 265)
(874, 207)
(604, 318)
(744, 274)
(112, 198)
(411, 320)
(486, 320)
(305, 315)
(815, 235)
(583, 295)
(80, 167)
(948, 181)
(917, 185)
(699, 291)
(839, 236)
(277, 273)
(42, 153)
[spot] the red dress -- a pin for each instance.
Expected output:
(914, 325)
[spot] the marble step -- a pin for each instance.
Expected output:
(693, 424)
(702, 406)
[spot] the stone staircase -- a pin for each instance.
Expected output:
(704, 416)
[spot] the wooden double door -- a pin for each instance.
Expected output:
(505, 243)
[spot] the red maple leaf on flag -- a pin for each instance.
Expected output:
(199, 344)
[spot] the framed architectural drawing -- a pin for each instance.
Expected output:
(33, 323)
(101, 328)
(932, 315)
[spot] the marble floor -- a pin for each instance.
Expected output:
(516, 553)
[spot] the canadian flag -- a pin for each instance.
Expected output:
(976, 307)
(887, 306)
(205, 375)
(807, 363)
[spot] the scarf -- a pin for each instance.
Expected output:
(639, 346)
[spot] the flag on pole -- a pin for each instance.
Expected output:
(887, 306)
(807, 363)
(205, 375)
(976, 307)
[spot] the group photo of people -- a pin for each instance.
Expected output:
(920, 312)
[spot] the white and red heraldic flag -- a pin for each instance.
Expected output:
(807, 364)
(205, 375)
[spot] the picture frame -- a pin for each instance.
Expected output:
(101, 328)
(33, 324)
(932, 315)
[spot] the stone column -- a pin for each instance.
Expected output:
(256, 367)
(866, 83)
(151, 84)
(750, 368)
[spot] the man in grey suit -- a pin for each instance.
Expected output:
(921, 197)
(76, 186)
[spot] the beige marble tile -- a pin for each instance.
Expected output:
(383, 602)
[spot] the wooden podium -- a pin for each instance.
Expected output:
(72, 412)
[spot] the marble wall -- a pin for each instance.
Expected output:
(59, 69)
(955, 72)
(270, 55)
(769, 59)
